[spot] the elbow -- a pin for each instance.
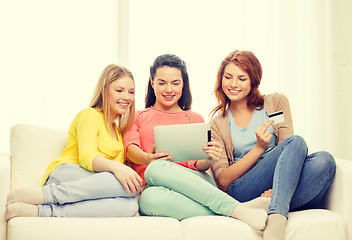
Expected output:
(223, 184)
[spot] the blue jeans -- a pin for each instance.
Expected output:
(72, 191)
(298, 181)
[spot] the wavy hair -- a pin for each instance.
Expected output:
(247, 62)
(100, 101)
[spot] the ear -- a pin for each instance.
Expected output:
(151, 82)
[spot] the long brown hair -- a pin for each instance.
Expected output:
(100, 100)
(248, 62)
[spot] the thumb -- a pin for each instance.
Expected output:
(153, 149)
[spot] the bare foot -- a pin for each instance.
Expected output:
(26, 195)
(20, 209)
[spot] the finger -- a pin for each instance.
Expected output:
(131, 186)
(125, 186)
(153, 149)
(265, 125)
(159, 155)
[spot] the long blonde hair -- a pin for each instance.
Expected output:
(100, 101)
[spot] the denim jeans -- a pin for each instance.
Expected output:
(179, 192)
(298, 181)
(72, 191)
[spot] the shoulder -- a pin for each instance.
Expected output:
(275, 102)
(90, 113)
(275, 97)
(219, 120)
(196, 117)
(140, 114)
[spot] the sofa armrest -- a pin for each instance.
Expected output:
(339, 196)
(4, 191)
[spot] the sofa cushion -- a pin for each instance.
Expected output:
(33, 148)
(310, 224)
(135, 228)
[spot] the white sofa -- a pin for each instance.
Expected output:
(33, 148)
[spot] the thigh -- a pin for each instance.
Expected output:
(317, 174)
(163, 202)
(105, 207)
(258, 179)
(67, 172)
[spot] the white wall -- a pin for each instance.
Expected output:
(52, 52)
(303, 47)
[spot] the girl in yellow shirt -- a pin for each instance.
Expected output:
(89, 179)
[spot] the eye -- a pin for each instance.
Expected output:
(227, 77)
(161, 83)
(118, 90)
(243, 79)
(131, 92)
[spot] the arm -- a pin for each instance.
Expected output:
(126, 175)
(285, 129)
(236, 170)
(137, 155)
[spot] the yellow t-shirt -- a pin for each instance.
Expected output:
(88, 138)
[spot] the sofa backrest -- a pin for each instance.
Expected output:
(33, 148)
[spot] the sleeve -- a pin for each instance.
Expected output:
(222, 163)
(87, 129)
(132, 135)
(285, 129)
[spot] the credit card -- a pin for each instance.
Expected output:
(278, 117)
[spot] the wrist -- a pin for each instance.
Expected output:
(259, 149)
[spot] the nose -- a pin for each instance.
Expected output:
(168, 88)
(234, 83)
(126, 96)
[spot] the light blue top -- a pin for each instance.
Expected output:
(244, 139)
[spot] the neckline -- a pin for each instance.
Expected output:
(161, 111)
(248, 125)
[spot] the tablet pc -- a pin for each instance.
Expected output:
(183, 142)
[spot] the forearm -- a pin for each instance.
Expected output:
(236, 170)
(137, 155)
(203, 165)
(101, 164)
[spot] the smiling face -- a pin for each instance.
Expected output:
(236, 83)
(167, 85)
(120, 95)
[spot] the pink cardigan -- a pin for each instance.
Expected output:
(220, 130)
(142, 131)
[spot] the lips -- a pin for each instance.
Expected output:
(124, 104)
(168, 97)
(234, 92)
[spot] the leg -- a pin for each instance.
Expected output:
(186, 182)
(279, 169)
(85, 186)
(317, 174)
(107, 207)
(160, 201)
(93, 186)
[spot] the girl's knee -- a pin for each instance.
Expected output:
(154, 169)
(147, 202)
(326, 160)
(125, 207)
(298, 142)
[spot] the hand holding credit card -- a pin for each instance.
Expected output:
(277, 117)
